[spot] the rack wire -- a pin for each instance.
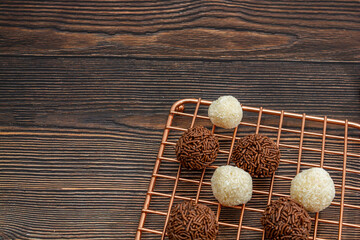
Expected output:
(341, 137)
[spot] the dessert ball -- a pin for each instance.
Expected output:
(313, 188)
(231, 186)
(286, 219)
(225, 112)
(256, 154)
(189, 220)
(197, 148)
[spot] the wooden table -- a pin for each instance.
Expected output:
(86, 87)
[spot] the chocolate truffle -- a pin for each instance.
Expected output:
(286, 219)
(313, 188)
(256, 154)
(225, 112)
(197, 148)
(189, 220)
(231, 186)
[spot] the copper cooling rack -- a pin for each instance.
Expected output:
(333, 140)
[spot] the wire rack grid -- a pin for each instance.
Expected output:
(337, 222)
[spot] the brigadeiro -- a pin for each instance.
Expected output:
(285, 219)
(197, 148)
(189, 220)
(256, 154)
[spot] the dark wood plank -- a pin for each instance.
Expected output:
(262, 30)
(79, 136)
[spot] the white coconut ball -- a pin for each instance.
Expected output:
(231, 186)
(313, 188)
(225, 112)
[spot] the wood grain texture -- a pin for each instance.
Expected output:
(259, 30)
(79, 136)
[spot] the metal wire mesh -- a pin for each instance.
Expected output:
(323, 146)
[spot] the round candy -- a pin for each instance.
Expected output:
(286, 219)
(197, 148)
(225, 112)
(256, 154)
(313, 188)
(231, 186)
(189, 220)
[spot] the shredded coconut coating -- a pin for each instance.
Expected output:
(225, 112)
(231, 186)
(313, 188)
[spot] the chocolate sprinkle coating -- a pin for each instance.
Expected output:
(197, 148)
(256, 154)
(285, 219)
(189, 220)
